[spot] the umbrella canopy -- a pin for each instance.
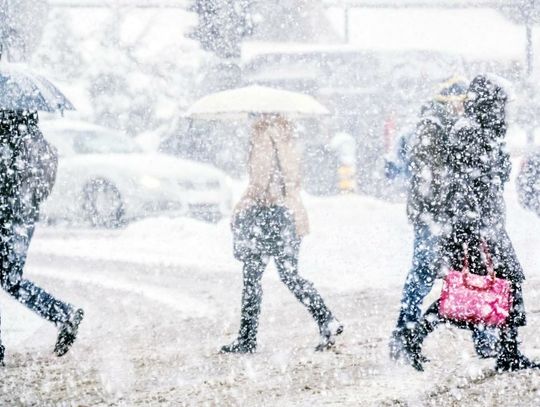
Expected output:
(21, 89)
(256, 99)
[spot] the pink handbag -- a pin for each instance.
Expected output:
(477, 299)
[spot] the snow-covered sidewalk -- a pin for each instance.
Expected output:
(162, 296)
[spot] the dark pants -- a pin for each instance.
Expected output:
(421, 276)
(14, 249)
(284, 248)
(508, 333)
(419, 282)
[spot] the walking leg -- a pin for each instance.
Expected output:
(413, 338)
(421, 277)
(418, 284)
(2, 348)
(509, 357)
(246, 341)
(14, 253)
(287, 266)
(14, 250)
(41, 302)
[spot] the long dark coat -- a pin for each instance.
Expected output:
(479, 167)
(28, 165)
(427, 164)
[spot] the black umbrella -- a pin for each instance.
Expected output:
(21, 89)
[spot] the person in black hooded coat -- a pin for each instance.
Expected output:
(478, 168)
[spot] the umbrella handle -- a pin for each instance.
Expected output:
(176, 139)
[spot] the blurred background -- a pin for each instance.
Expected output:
(133, 67)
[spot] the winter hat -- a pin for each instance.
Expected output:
(452, 89)
(486, 102)
(485, 91)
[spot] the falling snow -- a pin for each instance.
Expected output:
(165, 163)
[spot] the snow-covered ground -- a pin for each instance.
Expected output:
(162, 296)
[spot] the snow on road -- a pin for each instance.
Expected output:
(162, 295)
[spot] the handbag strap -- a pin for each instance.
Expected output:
(485, 249)
(489, 259)
(466, 258)
(280, 169)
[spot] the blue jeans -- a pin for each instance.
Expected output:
(419, 282)
(421, 277)
(13, 252)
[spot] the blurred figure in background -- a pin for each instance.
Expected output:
(396, 164)
(344, 146)
(270, 221)
(427, 154)
(27, 174)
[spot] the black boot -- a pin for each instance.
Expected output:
(412, 341)
(246, 342)
(406, 345)
(68, 333)
(397, 345)
(510, 358)
(2, 350)
(486, 344)
(515, 362)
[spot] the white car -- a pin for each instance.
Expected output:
(105, 179)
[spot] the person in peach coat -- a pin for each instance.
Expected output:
(270, 220)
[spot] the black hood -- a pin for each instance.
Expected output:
(10, 126)
(486, 103)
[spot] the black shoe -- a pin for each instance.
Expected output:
(397, 345)
(329, 330)
(401, 346)
(512, 363)
(68, 333)
(486, 346)
(486, 352)
(404, 347)
(239, 346)
(414, 357)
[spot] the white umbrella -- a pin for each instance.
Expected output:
(256, 99)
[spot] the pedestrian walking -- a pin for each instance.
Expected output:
(478, 168)
(427, 154)
(27, 174)
(270, 221)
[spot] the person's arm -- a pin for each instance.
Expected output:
(504, 165)
(420, 167)
(44, 159)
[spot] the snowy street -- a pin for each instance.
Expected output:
(376, 149)
(159, 304)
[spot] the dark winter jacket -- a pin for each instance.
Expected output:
(28, 165)
(428, 158)
(478, 168)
